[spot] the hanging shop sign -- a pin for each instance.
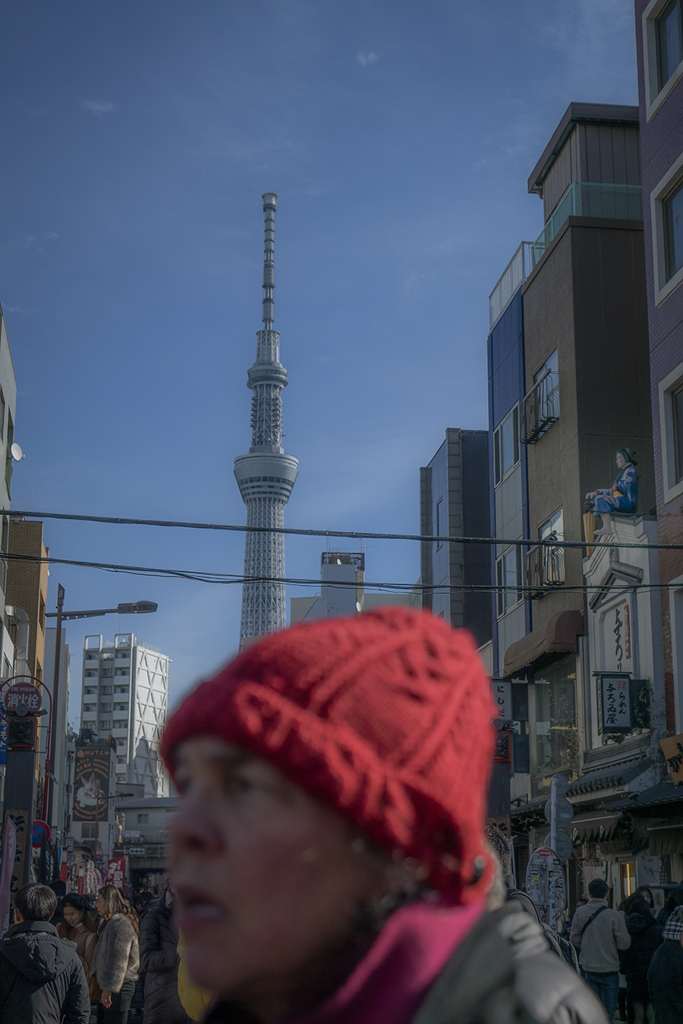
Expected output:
(502, 698)
(616, 705)
(91, 788)
(23, 698)
(672, 748)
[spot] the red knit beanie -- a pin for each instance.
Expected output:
(386, 717)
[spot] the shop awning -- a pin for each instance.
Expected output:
(665, 839)
(593, 828)
(558, 636)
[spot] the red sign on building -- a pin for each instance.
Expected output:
(116, 872)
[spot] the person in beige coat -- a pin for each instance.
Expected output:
(117, 956)
(598, 934)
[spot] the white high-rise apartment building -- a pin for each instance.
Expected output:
(125, 695)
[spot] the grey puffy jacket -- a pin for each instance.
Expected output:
(503, 972)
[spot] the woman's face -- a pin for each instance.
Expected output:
(72, 916)
(621, 461)
(266, 879)
(101, 905)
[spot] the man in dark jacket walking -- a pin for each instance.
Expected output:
(646, 937)
(665, 976)
(41, 977)
(159, 959)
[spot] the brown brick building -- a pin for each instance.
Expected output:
(27, 586)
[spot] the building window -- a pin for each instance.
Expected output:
(662, 51)
(107, 672)
(105, 723)
(553, 558)
(89, 707)
(91, 675)
(672, 218)
(120, 707)
(506, 445)
(143, 819)
(90, 690)
(107, 689)
(439, 523)
(120, 689)
(666, 210)
(89, 830)
(671, 427)
(508, 577)
(669, 42)
(556, 734)
(122, 672)
(105, 707)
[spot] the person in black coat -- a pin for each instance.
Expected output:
(41, 976)
(665, 976)
(646, 937)
(159, 959)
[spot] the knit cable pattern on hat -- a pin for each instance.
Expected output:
(385, 717)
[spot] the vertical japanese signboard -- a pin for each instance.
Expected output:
(672, 748)
(91, 787)
(116, 872)
(502, 698)
(616, 702)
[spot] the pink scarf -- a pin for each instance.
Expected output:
(389, 984)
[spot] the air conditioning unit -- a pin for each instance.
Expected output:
(534, 572)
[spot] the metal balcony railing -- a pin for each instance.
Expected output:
(540, 408)
(515, 274)
(543, 568)
(589, 199)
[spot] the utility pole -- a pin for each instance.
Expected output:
(49, 761)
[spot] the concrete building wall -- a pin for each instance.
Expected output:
(509, 512)
(125, 695)
(586, 298)
(454, 503)
(661, 143)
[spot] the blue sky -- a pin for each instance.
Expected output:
(137, 139)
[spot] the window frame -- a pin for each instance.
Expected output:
(437, 521)
(654, 94)
(502, 608)
(664, 190)
(669, 387)
(499, 473)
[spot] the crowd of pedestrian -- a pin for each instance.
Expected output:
(329, 865)
(74, 961)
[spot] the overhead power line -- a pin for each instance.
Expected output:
(227, 578)
(348, 534)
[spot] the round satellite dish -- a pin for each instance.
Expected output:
(17, 453)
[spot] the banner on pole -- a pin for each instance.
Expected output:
(9, 852)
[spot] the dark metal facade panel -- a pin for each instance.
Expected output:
(581, 114)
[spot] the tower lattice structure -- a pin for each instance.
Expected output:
(266, 475)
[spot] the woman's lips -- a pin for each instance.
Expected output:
(195, 909)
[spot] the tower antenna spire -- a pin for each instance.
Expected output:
(266, 475)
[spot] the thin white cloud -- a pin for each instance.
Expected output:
(367, 57)
(96, 108)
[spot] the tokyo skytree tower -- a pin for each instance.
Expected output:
(266, 475)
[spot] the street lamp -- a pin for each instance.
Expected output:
(136, 608)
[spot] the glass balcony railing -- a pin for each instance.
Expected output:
(589, 199)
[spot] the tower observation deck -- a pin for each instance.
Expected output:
(266, 475)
